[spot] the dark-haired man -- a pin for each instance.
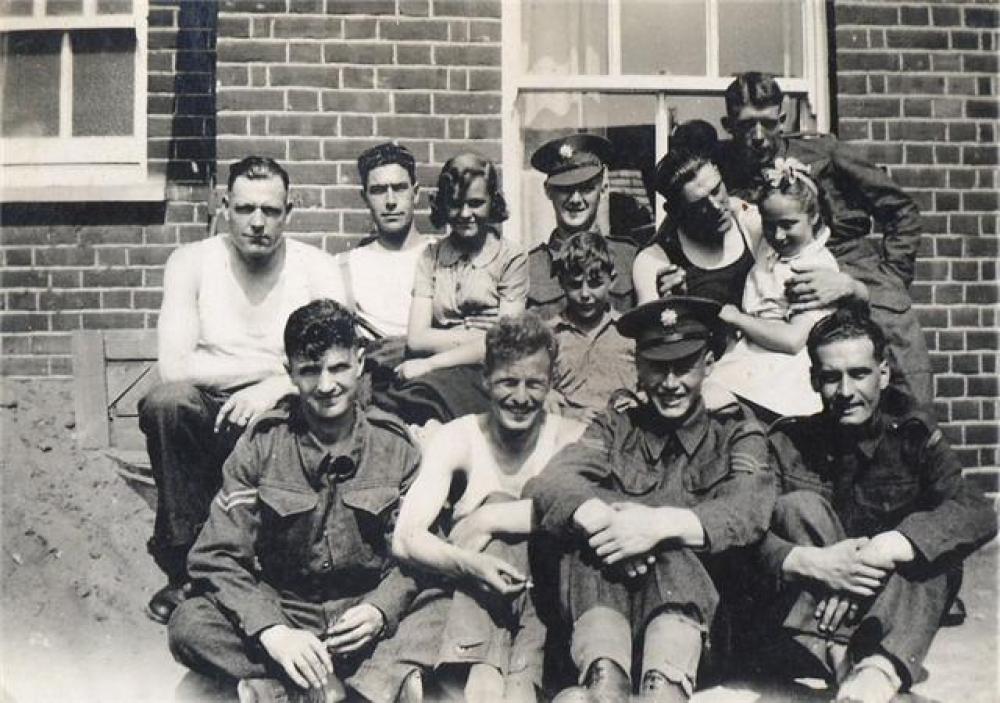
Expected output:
(576, 183)
(852, 193)
(651, 501)
(294, 562)
(225, 302)
(874, 521)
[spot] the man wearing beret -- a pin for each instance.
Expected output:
(650, 502)
(576, 170)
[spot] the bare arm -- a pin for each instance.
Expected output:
(423, 338)
(177, 332)
(777, 335)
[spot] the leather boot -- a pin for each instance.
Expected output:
(657, 687)
(163, 603)
(265, 690)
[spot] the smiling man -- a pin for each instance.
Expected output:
(293, 568)
(874, 521)
(653, 500)
(576, 184)
(225, 302)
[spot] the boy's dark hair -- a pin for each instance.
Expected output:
(580, 253)
(753, 88)
(515, 337)
(383, 155)
(675, 170)
(696, 136)
(318, 326)
(456, 175)
(255, 167)
(851, 321)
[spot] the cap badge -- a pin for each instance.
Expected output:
(566, 152)
(668, 318)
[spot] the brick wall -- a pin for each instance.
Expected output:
(313, 83)
(917, 89)
(69, 266)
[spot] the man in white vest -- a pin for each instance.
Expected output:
(225, 303)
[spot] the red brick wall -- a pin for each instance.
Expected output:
(917, 89)
(314, 83)
(70, 266)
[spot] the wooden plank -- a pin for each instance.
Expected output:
(126, 435)
(130, 345)
(90, 393)
(128, 382)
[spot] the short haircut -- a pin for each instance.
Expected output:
(580, 253)
(456, 175)
(696, 136)
(753, 88)
(675, 170)
(316, 327)
(383, 155)
(257, 167)
(851, 321)
(516, 337)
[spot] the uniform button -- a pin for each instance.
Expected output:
(326, 565)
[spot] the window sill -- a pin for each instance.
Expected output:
(153, 189)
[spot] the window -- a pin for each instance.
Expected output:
(631, 69)
(72, 95)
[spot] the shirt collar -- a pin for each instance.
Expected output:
(450, 255)
(863, 439)
(317, 459)
(689, 433)
(562, 322)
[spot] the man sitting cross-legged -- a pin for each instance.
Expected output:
(490, 627)
(225, 302)
(651, 502)
(294, 563)
(874, 521)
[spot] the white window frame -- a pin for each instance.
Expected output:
(813, 85)
(69, 168)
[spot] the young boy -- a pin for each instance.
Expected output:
(294, 566)
(594, 360)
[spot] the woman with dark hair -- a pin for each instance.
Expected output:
(705, 247)
(463, 284)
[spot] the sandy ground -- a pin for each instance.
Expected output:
(75, 576)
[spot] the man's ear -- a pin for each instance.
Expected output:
(288, 208)
(884, 374)
(287, 365)
(225, 207)
(360, 358)
(416, 190)
(709, 361)
(814, 378)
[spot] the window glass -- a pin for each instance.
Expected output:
(64, 7)
(103, 83)
(30, 74)
(663, 38)
(15, 8)
(765, 35)
(627, 121)
(566, 37)
(114, 7)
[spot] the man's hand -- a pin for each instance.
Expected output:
(247, 403)
(638, 566)
(836, 608)
(472, 532)
(670, 281)
(413, 368)
(494, 573)
(729, 313)
(633, 530)
(479, 322)
(886, 550)
(355, 628)
(592, 516)
(300, 654)
(839, 567)
(812, 288)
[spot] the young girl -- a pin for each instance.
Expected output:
(769, 366)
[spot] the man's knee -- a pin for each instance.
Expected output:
(796, 511)
(164, 400)
(189, 627)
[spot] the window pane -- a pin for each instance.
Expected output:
(15, 8)
(566, 37)
(762, 35)
(663, 37)
(64, 7)
(103, 83)
(628, 121)
(114, 7)
(30, 75)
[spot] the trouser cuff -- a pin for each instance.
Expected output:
(601, 633)
(672, 645)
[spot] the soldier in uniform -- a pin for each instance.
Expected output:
(874, 519)
(852, 193)
(576, 170)
(294, 565)
(651, 502)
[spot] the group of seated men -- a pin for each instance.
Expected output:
(583, 528)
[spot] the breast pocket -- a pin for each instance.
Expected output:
(702, 478)
(634, 477)
(371, 508)
(888, 498)
(288, 514)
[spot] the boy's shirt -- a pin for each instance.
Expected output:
(294, 521)
(591, 365)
